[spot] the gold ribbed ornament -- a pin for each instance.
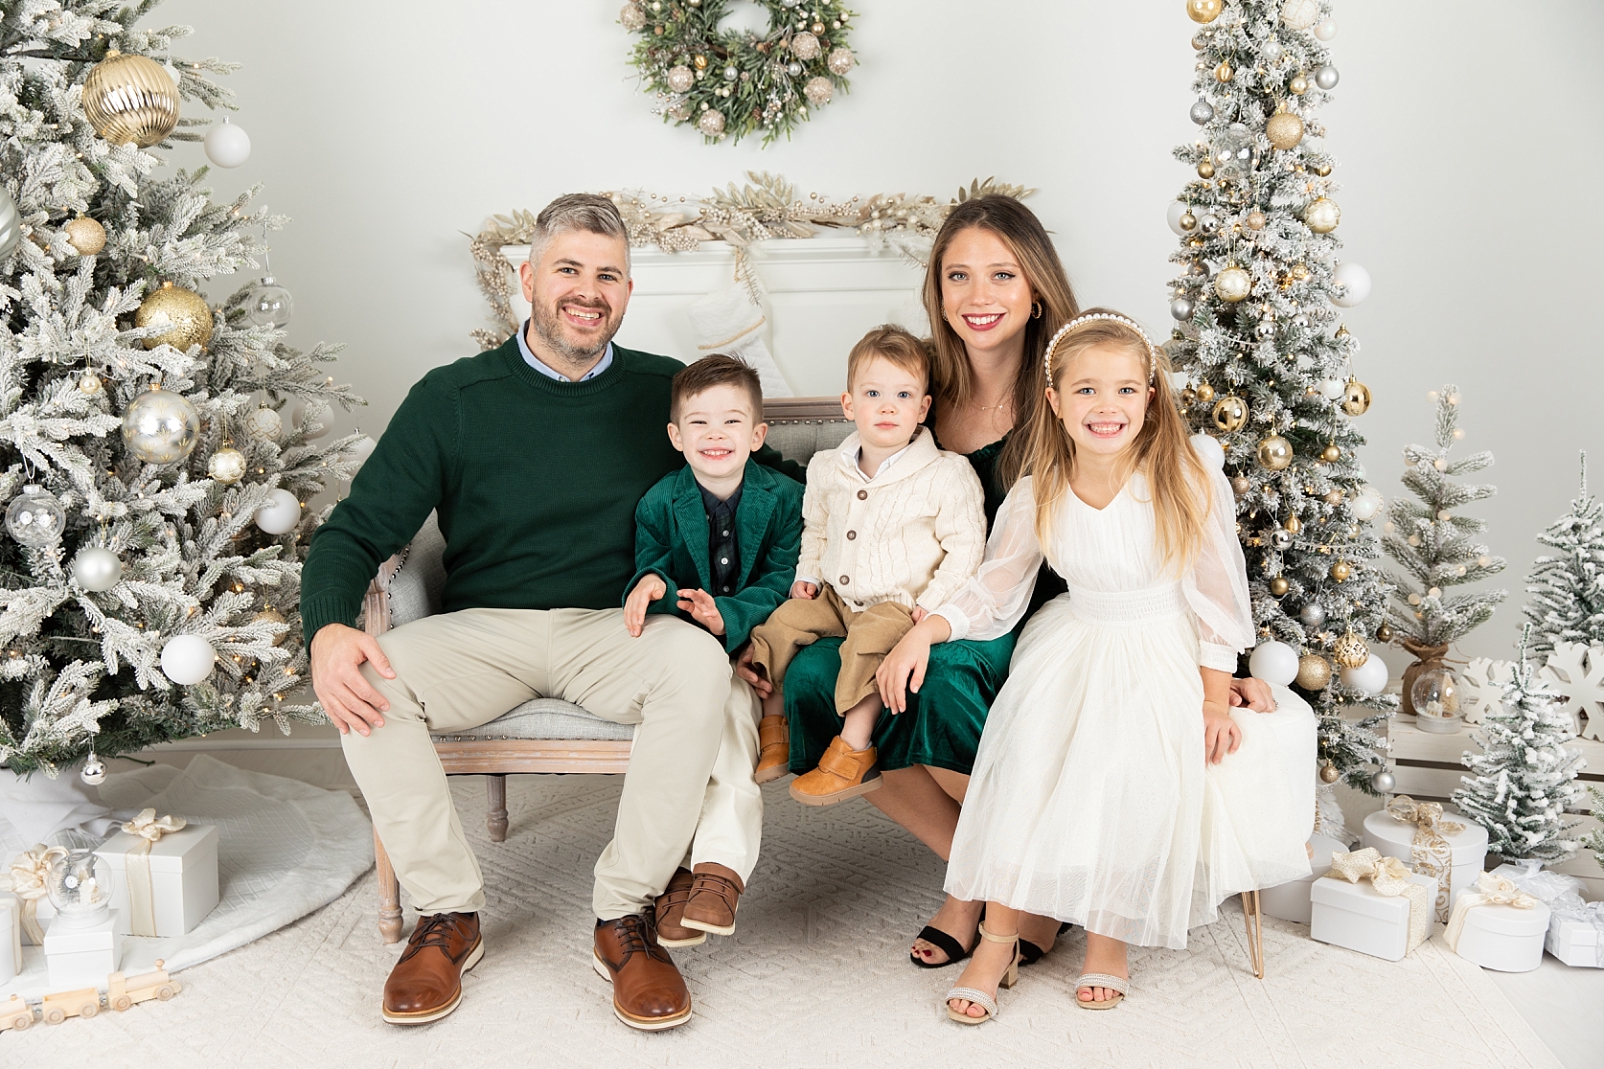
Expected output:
(1350, 651)
(130, 99)
(85, 235)
(182, 311)
(1231, 414)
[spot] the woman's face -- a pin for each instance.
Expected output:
(984, 293)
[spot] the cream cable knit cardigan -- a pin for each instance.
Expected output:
(913, 534)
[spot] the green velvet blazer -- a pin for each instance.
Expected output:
(671, 536)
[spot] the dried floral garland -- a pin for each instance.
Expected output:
(731, 83)
(767, 207)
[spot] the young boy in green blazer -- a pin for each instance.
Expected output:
(717, 543)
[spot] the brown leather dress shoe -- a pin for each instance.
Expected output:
(715, 894)
(774, 749)
(426, 984)
(648, 991)
(671, 931)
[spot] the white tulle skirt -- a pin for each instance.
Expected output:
(1091, 801)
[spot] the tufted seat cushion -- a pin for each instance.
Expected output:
(544, 718)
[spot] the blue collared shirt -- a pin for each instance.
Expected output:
(534, 361)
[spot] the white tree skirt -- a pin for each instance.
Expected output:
(816, 975)
(284, 848)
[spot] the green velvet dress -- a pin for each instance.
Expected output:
(942, 723)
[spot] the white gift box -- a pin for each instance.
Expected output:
(1467, 848)
(83, 956)
(183, 878)
(1504, 938)
(1357, 916)
(1575, 942)
(1290, 901)
(10, 937)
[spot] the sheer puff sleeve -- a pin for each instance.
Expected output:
(1216, 586)
(990, 604)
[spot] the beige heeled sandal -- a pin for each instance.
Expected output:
(978, 997)
(1118, 984)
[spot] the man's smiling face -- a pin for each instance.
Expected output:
(577, 293)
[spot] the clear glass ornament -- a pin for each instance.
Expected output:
(160, 427)
(79, 886)
(1232, 151)
(269, 304)
(35, 517)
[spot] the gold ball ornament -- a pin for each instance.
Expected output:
(1240, 485)
(805, 46)
(272, 616)
(1204, 10)
(226, 466)
(1356, 400)
(1314, 672)
(1321, 169)
(1233, 284)
(818, 91)
(130, 99)
(85, 235)
(1205, 169)
(89, 383)
(680, 79)
(1256, 220)
(1340, 571)
(711, 123)
(1350, 651)
(183, 312)
(1223, 73)
(1284, 130)
(1299, 85)
(1331, 454)
(631, 17)
(1275, 453)
(1230, 414)
(1384, 632)
(1335, 497)
(1323, 215)
(1205, 392)
(1293, 524)
(1279, 586)
(1329, 773)
(841, 61)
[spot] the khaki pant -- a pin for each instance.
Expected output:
(869, 634)
(689, 784)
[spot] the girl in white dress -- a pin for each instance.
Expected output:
(1109, 789)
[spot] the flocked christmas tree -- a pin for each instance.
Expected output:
(155, 458)
(1567, 586)
(1268, 363)
(1437, 546)
(1525, 777)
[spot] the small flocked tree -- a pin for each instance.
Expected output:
(1567, 586)
(155, 427)
(1267, 360)
(1525, 776)
(1436, 546)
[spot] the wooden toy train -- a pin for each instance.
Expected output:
(121, 994)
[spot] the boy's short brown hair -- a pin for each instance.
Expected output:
(891, 343)
(719, 369)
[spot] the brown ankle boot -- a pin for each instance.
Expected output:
(715, 894)
(842, 773)
(671, 930)
(648, 991)
(426, 984)
(774, 749)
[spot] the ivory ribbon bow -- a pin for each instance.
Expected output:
(141, 896)
(1430, 854)
(28, 872)
(1490, 891)
(1390, 879)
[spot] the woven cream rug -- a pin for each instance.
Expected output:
(817, 975)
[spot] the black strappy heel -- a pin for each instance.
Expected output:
(1030, 953)
(946, 944)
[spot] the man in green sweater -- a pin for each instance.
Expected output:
(533, 455)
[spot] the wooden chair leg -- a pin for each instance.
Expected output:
(1255, 924)
(496, 795)
(389, 893)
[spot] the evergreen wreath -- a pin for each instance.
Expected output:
(730, 83)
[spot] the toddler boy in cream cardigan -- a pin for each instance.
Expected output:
(892, 527)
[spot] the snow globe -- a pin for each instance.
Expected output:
(79, 886)
(1435, 696)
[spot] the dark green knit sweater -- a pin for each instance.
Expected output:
(535, 482)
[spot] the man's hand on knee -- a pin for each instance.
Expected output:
(348, 699)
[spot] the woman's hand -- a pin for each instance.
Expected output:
(1221, 735)
(744, 669)
(904, 667)
(648, 590)
(1253, 693)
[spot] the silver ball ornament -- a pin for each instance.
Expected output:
(1182, 308)
(1209, 223)
(1232, 151)
(793, 68)
(35, 517)
(1281, 539)
(1312, 614)
(1271, 50)
(1326, 77)
(94, 770)
(268, 304)
(1265, 329)
(730, 74)
(1384, 782)
(160, 427)
(97, 569)
(1201, 112)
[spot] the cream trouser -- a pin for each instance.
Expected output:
(689, 784)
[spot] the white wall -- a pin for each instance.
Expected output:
(1466, 134)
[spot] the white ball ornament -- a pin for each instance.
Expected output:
(1209, 451)
(1326, 30)
(362, 448)
(1355, 283)
(226, 466)
(97, 569)
(1300, 14)
(187, 659)
(302, 419)
(280, 514)
(1333, 389)
(1367, 505)
(1369, 678)
(264, 423)
(1173, 215)
(1274, 662)
(227, 145)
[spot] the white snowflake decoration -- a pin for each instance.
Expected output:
(1576, 671)
(1481, 690)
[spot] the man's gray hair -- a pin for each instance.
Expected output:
(585, 212)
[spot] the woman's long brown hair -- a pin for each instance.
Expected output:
(952, 380)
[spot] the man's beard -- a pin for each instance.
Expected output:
(547, 323)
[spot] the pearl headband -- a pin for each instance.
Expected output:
(1111, 317)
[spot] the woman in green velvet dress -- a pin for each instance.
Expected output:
(995, 292)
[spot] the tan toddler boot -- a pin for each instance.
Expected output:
(842, 773)
(774, 749)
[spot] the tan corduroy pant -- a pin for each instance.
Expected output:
(869, 634)
(689, 784)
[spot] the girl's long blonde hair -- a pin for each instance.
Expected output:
(1162, 451)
